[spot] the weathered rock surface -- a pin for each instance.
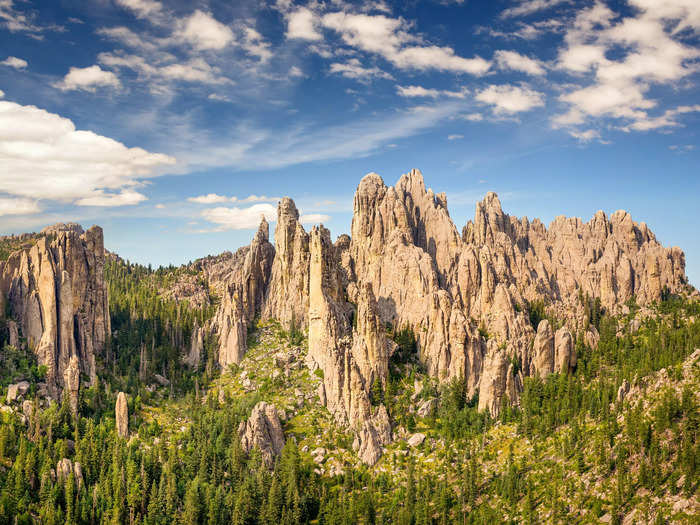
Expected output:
(287, 296)
(263, 431)
(66, 467)
(17, 390)
(121, 412)
(56, 292)
(231, 325)
(465, 297)
(416, 439)
(196, 348)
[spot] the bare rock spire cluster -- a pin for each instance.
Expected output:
(465, 296)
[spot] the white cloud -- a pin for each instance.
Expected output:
(585, 136)
(112, 199)
(43, 156)
(622, 58)
(254, 44)
(195, 70)
(421, 92)
(510, 99)
(528, 7)
(203, 31)
(239, 218)
(666, 120)
(354, 69)
(295, 72)
(210, 198)
(2, 94)
(14, 62)
(87, 79)
(455, 136)
(314, 218)
(472, 117)
(302, 24)
(18, 206)
(390, 38)
(149, 9)
(21, 21)
(214, 198)
(511, 60)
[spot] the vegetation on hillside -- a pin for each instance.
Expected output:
(570, 451)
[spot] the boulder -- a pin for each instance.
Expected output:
(427, 407)
(162, 381)
(416, 440)
(263, 431)
(17, 390)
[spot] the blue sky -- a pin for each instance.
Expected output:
(175, 125)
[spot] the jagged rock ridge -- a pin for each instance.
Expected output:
(55, 291)
(465, 296)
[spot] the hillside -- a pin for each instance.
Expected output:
(513, 373)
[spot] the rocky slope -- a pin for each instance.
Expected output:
(467, 298)
(55, 291)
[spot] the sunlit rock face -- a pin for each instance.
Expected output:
(464, 296)
(56, 293)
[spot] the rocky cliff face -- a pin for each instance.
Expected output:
(465, 297)
(55, 290)
(121, 413)
(263, 431)
(287, 296)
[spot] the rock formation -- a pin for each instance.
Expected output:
(56, 292)
(351, 358)
(121, 413)
(466, 297)
(66, 467)
(231, 325)
(194, 354)
(288, 292)
(263, 431)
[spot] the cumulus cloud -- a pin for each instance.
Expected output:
(203, 31)
(455, 136)
(420, 91)
(87, 79)
(303, 24)
(391, 39)
(2, 94)
(620, 58)
(514, 61)
(509, 99)
(354, 69)
(43, 156)
(239, 218)
(14, 62)
(18, 206)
